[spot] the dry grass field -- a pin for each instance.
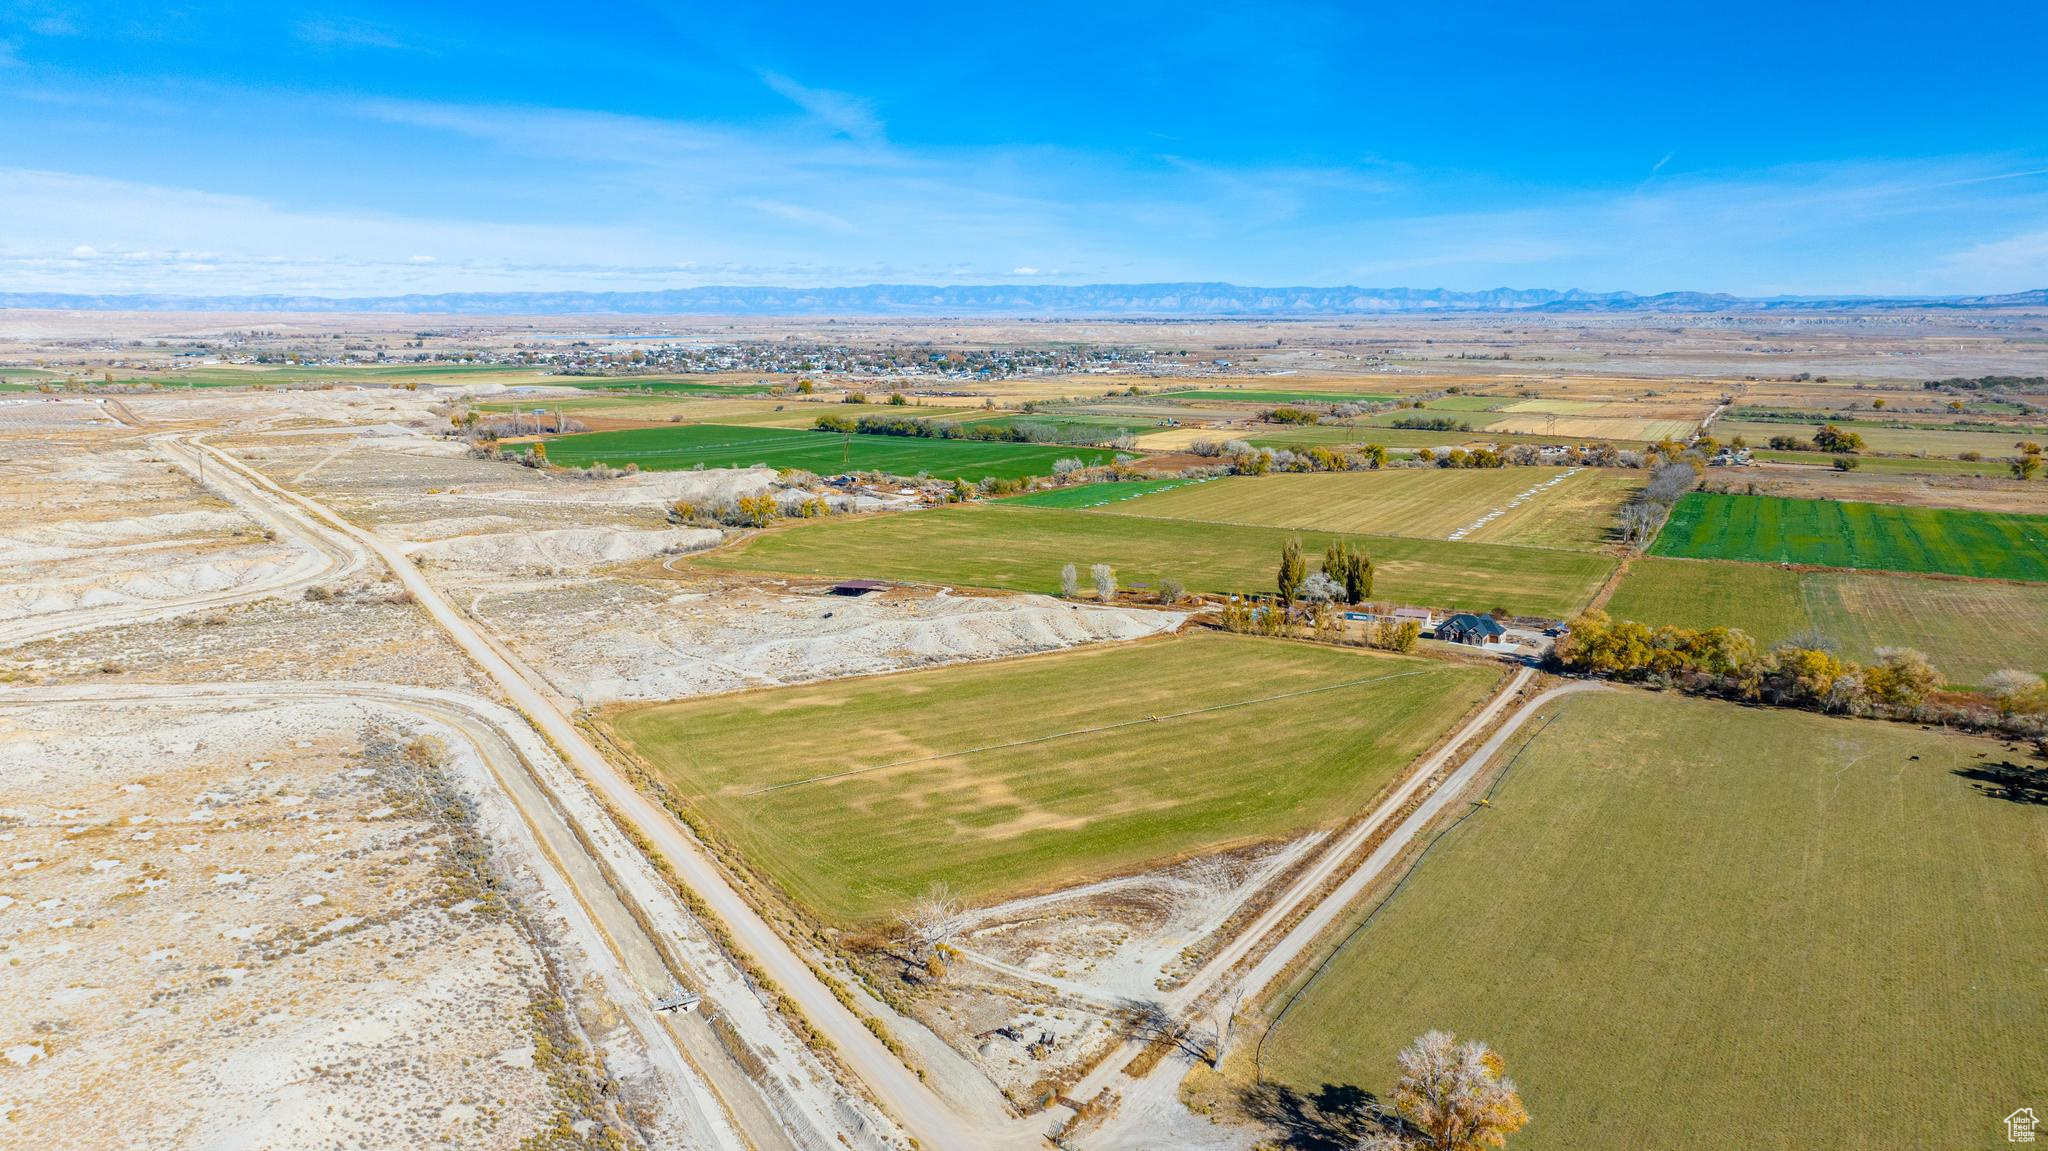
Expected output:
(1689, 924)
(1124, 756)
(1968, 628)
(1892, 441)
(1594, 426)
(1554, 509)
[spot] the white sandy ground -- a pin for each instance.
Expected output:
(601, 641)
(218, 932)
(370, 480)
(99, 527)
(560, 549)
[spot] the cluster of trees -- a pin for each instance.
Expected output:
(1829, 438)
(1289, 414)
(1804, 672)
(1978, 383)
(2026, 465)
(757, 511)
(1246, 460)
(1312, 603)
(1460, 458)
(1647, 510)
(1432, 423)
(1013, 432)
(1346, 575)
(1833, 439)
(1104, 578)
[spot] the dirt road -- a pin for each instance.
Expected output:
(322, 559)
(921, 1112)
(1331, 907)
(625, 960)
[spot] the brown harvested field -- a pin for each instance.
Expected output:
(1533, 507)
(1799, 482)
(1890, 441)
(1595, 427)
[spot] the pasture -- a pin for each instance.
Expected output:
(1769, 529)
(1967, 628)
(718, 446)
(1096, 495)
(998, 545)
(1690, 924)
(1576, 511)
(1125, 756)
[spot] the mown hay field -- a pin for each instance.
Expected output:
(1769, 529)
(1968, 628)
(1003, 778)
(1690, 924)
(1556, 510)
(1593, 427)
(718, 446)
(997, 545)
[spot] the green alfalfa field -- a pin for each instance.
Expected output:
(1692, 924)
(1828, 533)
(682, 446)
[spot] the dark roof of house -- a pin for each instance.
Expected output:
(1465, 621)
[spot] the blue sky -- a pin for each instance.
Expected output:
(370, 148)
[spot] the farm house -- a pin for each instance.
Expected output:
(1471, 629)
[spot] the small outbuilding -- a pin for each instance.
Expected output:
(1472, 629)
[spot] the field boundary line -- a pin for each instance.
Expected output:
(1086, 731)
(1472, 808)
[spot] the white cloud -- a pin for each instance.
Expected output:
(1022, 271)
(2016, 262)
(342, 32)
(844, 113)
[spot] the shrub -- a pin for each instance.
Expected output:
(1395, 635)
(1171, 590)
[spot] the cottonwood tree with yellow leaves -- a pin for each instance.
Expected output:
(1452, 1096)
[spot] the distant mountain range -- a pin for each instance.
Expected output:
(1025, 300)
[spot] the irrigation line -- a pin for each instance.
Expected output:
(1087, 730)
(1259, 1053)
